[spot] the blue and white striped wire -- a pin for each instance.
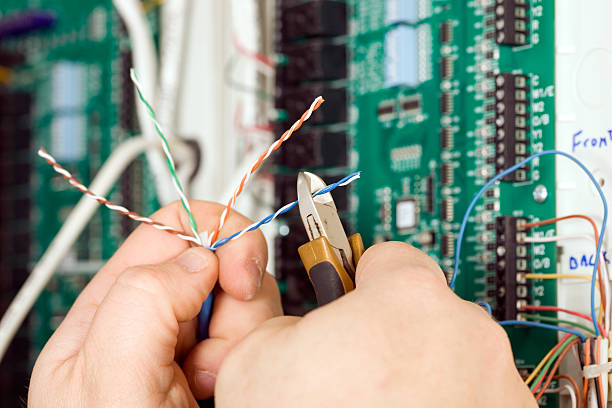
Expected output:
(288, 207)
(513, 169)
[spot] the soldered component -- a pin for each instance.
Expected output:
(406, 213)
(448, 245)
(426, 238)
(447, 175)
(446, 103)
(447, 210)
(447, 138)
(386, 110)
(446, 32)
(431, 194)
(446, 67)
(411, 105)
(512, 22)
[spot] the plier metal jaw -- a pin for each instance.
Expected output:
(330, 257)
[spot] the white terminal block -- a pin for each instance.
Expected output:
(583, 95)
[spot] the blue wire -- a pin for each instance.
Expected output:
(511, 170)
(542, 326)
(289, 208)
(486, 306)
(204, 317)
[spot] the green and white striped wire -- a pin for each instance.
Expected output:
(171, 165)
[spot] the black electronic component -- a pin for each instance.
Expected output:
(295, 101)
(446, 103)
(512, 264)
(411, 105)
(447, 246)
(446, 32)
(447, 174)
(447, 138)
(512, 22)
(315, 148)
(447, 210)
(386, 110)
(446, 67)
(511, 122)
(309, 19)
(313, 61)
(431, 194)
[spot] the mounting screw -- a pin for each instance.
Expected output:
(540, 193)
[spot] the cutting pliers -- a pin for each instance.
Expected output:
(330, 257)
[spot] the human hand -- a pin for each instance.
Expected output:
(401, 338)
(124, 339)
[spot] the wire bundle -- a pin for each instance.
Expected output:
(139, 218)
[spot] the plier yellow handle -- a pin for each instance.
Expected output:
(330, 258)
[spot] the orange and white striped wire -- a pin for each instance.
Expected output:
(314, 106)
(111, 205)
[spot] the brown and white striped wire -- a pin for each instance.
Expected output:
(111, 205)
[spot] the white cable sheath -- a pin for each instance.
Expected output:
(567, 388)
(108, 174)
(145, 63)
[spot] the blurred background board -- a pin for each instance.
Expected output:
(70, 92)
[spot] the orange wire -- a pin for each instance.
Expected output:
(595, 230)
(599, 382)
(275, 146)
(555, 368)
(574, 384)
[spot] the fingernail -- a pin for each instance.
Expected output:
(193, 259)
(204, 379)
(255, 275)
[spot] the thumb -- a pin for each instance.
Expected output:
(393, 262)
(138, 320)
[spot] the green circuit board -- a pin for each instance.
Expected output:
(77, 72)
(416, 186)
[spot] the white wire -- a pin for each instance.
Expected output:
(606, 272)
(567, 388)
(145, 63)
(78, 218)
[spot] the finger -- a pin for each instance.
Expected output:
(242, 263)
(232, 320)
(139, 318)
(147, 245)
(390, 261)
